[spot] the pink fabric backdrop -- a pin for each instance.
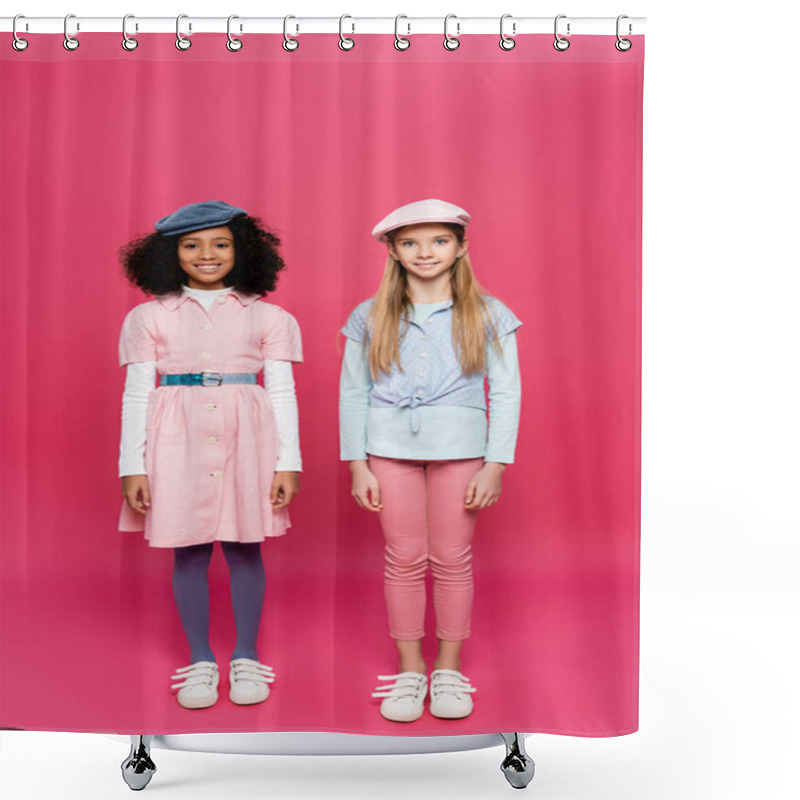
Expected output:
(543, 148)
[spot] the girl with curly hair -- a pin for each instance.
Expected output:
(209, 455)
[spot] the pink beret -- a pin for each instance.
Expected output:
(417, 213)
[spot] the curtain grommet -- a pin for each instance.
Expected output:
(401, 43)
(290, 44)
(345, 42)
(233, 44)
(622, 44)
(70, 42)
(560, 43)
(507, 42)
(182, 42)
(128, 42)
(17, 42)
(451, 42)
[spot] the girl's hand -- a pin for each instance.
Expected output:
(366, 490)
(285, 485)
(136, 491)
(484, 489)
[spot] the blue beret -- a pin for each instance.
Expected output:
(195, 216)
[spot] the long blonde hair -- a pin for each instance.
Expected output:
(392, 303)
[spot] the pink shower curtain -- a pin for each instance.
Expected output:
(542, 147)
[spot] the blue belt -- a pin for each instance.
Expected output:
(208, 378)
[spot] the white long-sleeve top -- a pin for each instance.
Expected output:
(140, 380)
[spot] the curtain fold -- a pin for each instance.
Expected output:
(544, 150)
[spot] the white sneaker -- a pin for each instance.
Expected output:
(450, 694)
(198, 684)
(250, 681)
(405, 698)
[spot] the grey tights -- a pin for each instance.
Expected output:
(190, 586)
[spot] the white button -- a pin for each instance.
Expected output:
(210, 406)
(422, 374)
(221, 299)
(420, 393)
(208, 326)
(423, 355)
(212, 440)
(216, 474)
(206, 354)
(424, 335)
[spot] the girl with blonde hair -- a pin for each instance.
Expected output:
(414, 428)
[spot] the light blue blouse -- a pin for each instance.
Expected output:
(430, 410)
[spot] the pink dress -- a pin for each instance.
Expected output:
(211, 450)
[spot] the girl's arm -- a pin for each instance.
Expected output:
(140, 380)
(505, 394)
(354, 387)
(504, 406)
(279, 382)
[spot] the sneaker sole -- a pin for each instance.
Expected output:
(194, 705)
(441, 715)
(403, 719)
(243, 702)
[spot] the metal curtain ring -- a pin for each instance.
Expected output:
(400, 42)
(18, 43)
(233, 44)
(451, 42)
(128, 42)
(506, 42)
(623, 45)
(290, 44)
(561, 44)
(345, 42)
(182, 43)
(70, 42)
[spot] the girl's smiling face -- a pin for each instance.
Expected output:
(206, 256)
(427, 250)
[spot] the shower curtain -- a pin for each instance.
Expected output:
(542, 147)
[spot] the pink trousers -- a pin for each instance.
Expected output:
(426, 525)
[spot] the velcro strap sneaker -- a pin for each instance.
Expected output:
(197, 684)
(403, 700)
(451, 694)
(250, 681)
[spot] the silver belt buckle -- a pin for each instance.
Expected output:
(211, 378)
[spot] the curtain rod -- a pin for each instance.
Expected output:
(407, 25)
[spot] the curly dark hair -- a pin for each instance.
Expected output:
(151, 262)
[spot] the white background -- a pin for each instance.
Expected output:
(720, 599)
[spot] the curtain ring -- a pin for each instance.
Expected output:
(451, 42)
(128, 42)
(400, 42)
(18, 43)
(561, 44)
(290, 44)
(182, 43)
(345, 42)
(70, 42)
(506, 42)
(233, 44)
(623, 45)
